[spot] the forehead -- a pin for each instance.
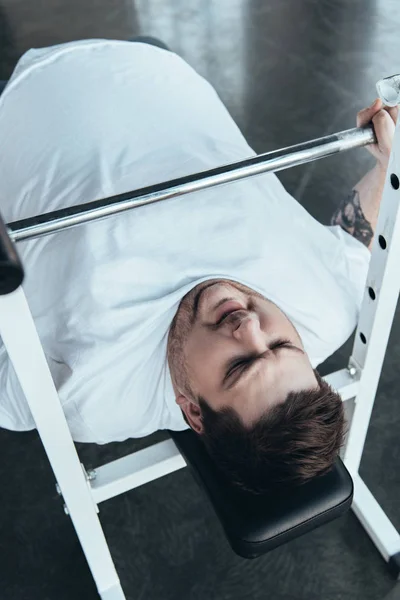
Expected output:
(265, 386)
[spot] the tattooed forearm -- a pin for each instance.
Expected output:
(351, 218)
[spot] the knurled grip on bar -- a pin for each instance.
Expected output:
(11, 271)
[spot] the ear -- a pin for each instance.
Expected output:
(192, 412)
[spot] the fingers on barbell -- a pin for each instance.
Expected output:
(393, 112)
(365, 115)
(384, 130)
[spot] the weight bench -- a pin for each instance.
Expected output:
(253, 524)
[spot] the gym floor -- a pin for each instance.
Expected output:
(288, 71)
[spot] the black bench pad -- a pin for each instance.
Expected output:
(256, 524)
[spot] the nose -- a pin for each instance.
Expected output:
(250, 334)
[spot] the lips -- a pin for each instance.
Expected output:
(226, 308)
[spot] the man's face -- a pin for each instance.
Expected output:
(236, 349)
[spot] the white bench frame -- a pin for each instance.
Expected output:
(82, 492)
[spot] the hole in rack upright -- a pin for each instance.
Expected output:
(382, 242)
(394, 180)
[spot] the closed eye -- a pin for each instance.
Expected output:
(244, 363)
(237, 366)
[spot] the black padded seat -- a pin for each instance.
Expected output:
(256, 524)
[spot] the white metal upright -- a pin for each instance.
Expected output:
(376, 317)
(18, 331)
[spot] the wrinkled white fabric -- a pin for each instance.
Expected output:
(91, 119)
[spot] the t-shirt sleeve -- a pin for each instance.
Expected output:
(354, 256)
(357, 260)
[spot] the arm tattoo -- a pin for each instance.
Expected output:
(350, 217)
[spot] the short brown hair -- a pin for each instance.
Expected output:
(292, 443)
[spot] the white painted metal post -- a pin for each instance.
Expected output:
(374, 520)
(378, 308)
(22, 343)
(136, 469)
(372, 335)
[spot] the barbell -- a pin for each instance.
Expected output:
(11, 273)
(276, 160)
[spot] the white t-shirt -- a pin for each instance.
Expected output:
(86, 120)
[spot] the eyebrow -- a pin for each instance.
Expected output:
(196, 302)
(250, 361)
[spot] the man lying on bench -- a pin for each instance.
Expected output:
(211, 310)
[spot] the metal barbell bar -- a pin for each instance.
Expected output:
(11, 271)
(292, 156)
(277, 160)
